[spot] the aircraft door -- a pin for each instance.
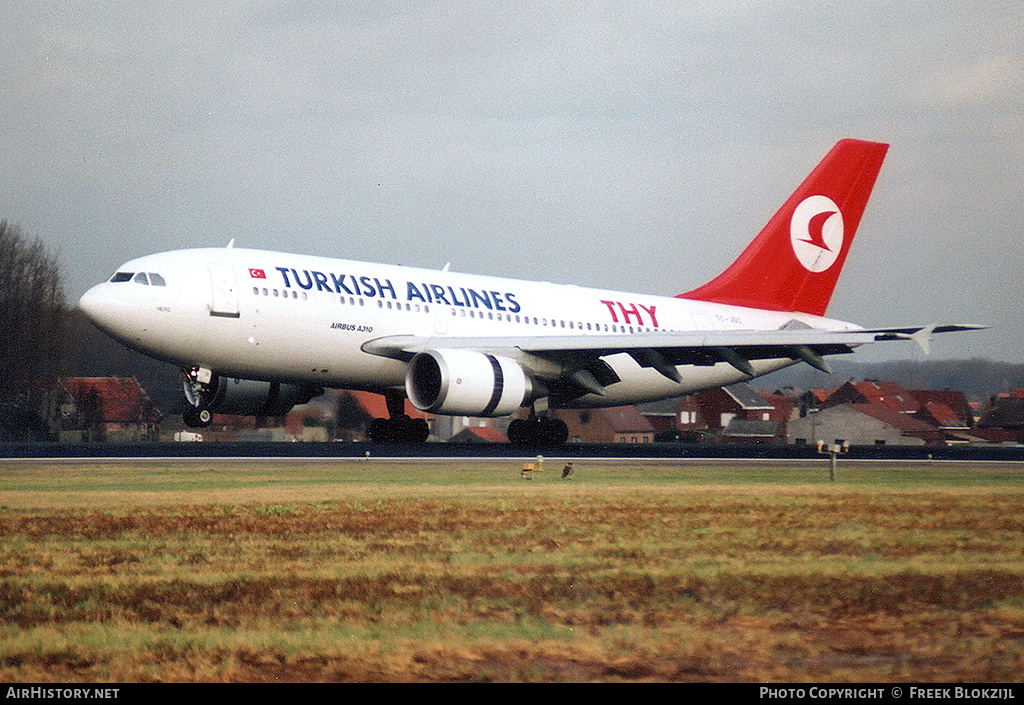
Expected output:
(225, 291)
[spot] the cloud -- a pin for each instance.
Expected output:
(544, 140)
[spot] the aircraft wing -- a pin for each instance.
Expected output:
(578, 357)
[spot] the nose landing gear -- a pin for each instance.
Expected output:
(196, 384)
(197, 417)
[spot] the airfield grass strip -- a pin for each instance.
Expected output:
(677, 585)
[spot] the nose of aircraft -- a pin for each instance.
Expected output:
(100, 307)
(91, 302)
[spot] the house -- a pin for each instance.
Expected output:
(718, 407)
(620, 424)
(1003, 420)
(862, 424)
(107, 408)
(946, 408)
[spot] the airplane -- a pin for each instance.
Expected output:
(257, 332)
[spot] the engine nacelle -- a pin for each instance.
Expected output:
(248, 397)
(466, 383)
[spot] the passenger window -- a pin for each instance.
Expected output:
(122, 277)
(156, 280)
(141, 278)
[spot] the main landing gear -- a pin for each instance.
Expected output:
(399, 427)
(538, 431)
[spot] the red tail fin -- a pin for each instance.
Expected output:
(794, 263)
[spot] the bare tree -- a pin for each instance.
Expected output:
(33, 313)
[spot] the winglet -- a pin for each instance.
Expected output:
(923, 338)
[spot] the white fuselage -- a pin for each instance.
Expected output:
(275, 316)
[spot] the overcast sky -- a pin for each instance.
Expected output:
(630, 145)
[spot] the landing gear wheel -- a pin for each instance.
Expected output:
(401, 429)
(197, 417)
(520, 432)
(541, 431)
(410, 430)
(553, 432)
(420, 431)
(381, 431)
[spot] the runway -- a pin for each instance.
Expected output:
(440, 451)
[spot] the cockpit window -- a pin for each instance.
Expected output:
(147, 278)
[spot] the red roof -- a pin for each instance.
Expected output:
(118, 399)
(942, 415)
(888, 394)
(375, 405)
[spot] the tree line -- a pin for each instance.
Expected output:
(33, 318)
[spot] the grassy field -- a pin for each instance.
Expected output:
(462, 571)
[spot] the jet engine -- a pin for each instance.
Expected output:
(243, 397)
(467, 383)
